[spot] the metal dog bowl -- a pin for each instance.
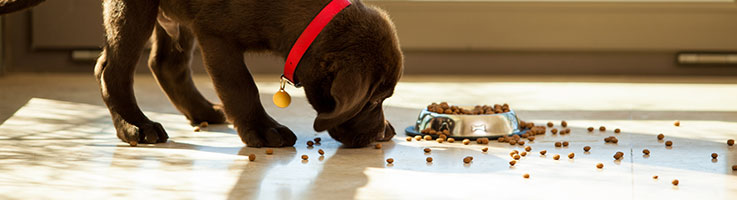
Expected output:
(489, 126)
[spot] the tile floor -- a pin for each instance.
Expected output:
(57, 142)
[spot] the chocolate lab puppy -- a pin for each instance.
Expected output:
(347, 72)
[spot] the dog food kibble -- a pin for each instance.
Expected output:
(568, 130)
(543, 152)
(390, 160)
(646, 151)
(517, 156)
(668, 143)
(427, 150)
(531, 138)
(602, 128)
(730, 142)
(511, 163)
(675, 182)
(317, 139)
(614, 140)
(655, 177)
(521, 142)
(428, 138)
(321, 152)
(512, 142)
(204, 124)
(558, 144)
(440, 140)
(618, 155)
(305, 157)
(617, 130)
(196, 129)
(526, 176)
(586, 148)
(467, 159)
(409, 139)
(133, 143)
(661, 136)
(565, 143)
(550, 124)
(377, 146)
(466, 141)
(677, 123)
(571, 155)
(428, 159)
(451, 140)
(734, 167)
(714, 155)
(252, 157)
(599, 165)
(524, 153)
(418, 138)
(310, 143)
(485, 149)
(528, 148)
(511, 154)
(556, 157)
(590, 129)
(554, 131)
(269, 151)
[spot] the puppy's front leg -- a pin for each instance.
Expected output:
(237, 90)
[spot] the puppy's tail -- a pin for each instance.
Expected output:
(8, 6)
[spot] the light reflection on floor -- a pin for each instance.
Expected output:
(53, 149)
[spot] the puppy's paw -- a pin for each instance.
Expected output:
(266, 134)
(388, 133)
(212, 115)
(148, 132)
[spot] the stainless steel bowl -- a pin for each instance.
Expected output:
(468, 126)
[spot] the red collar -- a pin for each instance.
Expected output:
(308, 36)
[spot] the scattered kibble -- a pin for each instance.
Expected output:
(730, 142)
(556, 157)
(558, 144)
(586, 148)
(427, 150)
(418, 138)
(513, 152)
(543, 152)
(269, 151)
(568, 130)
(451, 140)
(526, 176)
(305, 157)
(390, 160)
(521, 143)
(204, 124)
(655, 177)
(590, 129)
(550, 124)
(409, 139)
(677, 123)
(428, 138)
(528, 148)
(517, 156)
(524, 153)
(485, 149)
(646, 151)
(440, 140)
(734, 167)
(554, 131)
(563, 123)
(618, 155)
(428, 159)
(252, 157)
(511, 163)
(714, 155)
(310, 143)
(571, 155)
(317, 139)
(617, 130)
(602, 128)
(668, 143)
(599, 165)
(196, 129)
(133, 143)
(565, 143)
(466, 141)
(675, 181)
(661, 136)
(532, 138)
(321, 152)
(467, 159)
(512, 142)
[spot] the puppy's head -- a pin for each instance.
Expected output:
(354, 65)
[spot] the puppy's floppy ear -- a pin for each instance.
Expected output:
(350, 90)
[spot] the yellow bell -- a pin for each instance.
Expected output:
(282, 99)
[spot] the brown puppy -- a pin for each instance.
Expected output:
(348, 71)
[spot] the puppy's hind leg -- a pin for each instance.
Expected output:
(170, 60)
(128, 25)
